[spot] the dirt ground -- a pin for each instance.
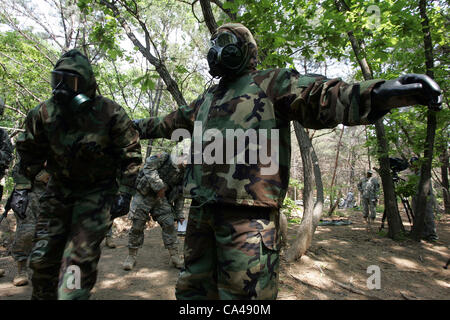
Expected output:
(334, 268)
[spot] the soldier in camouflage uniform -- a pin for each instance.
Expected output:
(369, 189)
(159, 193)
(26, 225)
(232, 237)
(90, 147)
(6, 150)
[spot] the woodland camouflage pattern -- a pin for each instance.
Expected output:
(245, 242)
(87, 152)
(267, 99)
(158, 172)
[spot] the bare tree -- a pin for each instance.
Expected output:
(312, 211)
(425, 169)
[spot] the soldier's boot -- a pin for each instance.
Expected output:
(2, 272)
(109, 242)
(130, 261)
(21, 279)
(175, 259)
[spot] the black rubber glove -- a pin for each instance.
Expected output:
(19, 203)
(121, 205)
(408, 90)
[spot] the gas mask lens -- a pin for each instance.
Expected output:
(71, 80)
(223, 39)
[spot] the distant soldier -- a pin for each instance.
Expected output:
(369, 188)
(6, 151)
(349, 201)
(159, 192)
(341, 204)
(26, 217)
(93, 155)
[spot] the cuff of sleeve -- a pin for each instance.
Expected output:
(23, 186)
(22, 183)
(368, 113)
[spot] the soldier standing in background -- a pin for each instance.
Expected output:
(90, 147)
(369, 188)
(6, 151)
(232, 238)
(349, 201)
(159, 192)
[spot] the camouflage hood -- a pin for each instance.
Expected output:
(75, 61)
(244, 35)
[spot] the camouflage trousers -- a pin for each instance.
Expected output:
(369, 206)
(67, 244)
(23, 239)
(161, 211)
(230, 252)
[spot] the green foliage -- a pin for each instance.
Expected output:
(288, 206)
(408, 187)
(24, 74)
(295, 183)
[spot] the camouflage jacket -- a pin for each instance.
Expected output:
(267, 99)
(160, 172)
(369, 188)
(95, 149)
(6, 151)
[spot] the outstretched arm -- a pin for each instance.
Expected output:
(318, 103)
(162, 127)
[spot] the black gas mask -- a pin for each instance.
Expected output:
(68, 89)
(227, 55)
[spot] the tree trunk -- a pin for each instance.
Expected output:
(312, 213)
(425, 169)
(160, 67)
(390, 201)
(210, 21)
(444, 177)
(336, 161)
